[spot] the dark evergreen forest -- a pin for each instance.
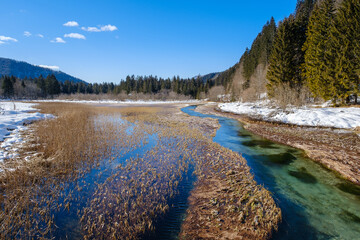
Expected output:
(50, 87)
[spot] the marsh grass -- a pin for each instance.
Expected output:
(82, 166)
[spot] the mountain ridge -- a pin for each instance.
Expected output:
(21, 69)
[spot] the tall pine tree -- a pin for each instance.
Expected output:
(7, 87)
(302, 14)
(281, 68)
(287, 54)
(345, 50)
(260, 49)
(316, 47)
(42, 85)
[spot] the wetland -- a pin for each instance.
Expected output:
(156, 172)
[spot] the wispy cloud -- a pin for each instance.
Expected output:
(75, 35)
(40, 35)
(58, 40)
(27, 34)
(55, 68)
(106, 28)
(71, 24)
(7, 39)
(91, 29)
(1, 42)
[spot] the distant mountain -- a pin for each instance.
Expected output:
(210, 76)
(22, 69)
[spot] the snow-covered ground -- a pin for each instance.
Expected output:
(306, 116)
(124, 102)
(13, 119)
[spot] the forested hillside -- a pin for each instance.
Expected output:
(312, 54)
(19, 69)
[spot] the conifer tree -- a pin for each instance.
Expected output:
(317, 64)
(302, 14)
(7, 87)
(42, 85)
(260, 49)
(281, 68)
(52, 85)
(345, 50)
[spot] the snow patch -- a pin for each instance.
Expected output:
(305, 116)
(54, 68)
(14, 116)
(123, 102)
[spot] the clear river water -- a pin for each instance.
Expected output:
(315, 202)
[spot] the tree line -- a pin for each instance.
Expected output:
(49, 87)
(318, 47)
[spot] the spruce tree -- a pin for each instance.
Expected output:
(316, 66)
(281, 68)
(7, 87)
(260, 49)
(42, 85)
(302, 14)
(52, 85)
(345, 50)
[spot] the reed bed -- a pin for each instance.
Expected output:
(118, 168)
(68, 147)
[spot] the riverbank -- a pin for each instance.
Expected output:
(336, 149)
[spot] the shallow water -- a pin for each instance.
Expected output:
(166, 227)
(315, 202)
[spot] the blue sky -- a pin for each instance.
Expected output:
(140, 37)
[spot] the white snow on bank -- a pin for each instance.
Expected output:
(123, 102)
(13, 118)
(306, 116)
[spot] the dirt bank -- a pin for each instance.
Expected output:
(226, 202)
(338, 150)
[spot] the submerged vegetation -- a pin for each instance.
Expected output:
(113, 171)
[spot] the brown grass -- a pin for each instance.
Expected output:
(126, 204)
(30, 192)
(226, 202)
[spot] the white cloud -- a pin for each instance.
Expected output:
(40, 35)
(58, 40)
(91, 29)
(27, 34)
(3, 38)
(55, 68)
(71, 24)
(1, 42)
(106, 28)
(75, 35)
